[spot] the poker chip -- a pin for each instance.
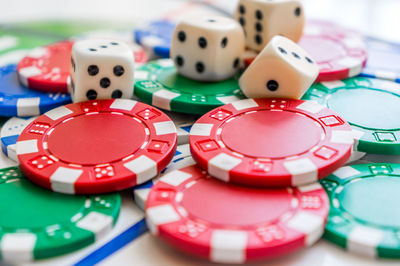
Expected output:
(249, 56)
(383, 60)
(271, 142)
(37, 223)
(9, 134)
(227, 223)
(355, 155)
(371, 106)
(159, 84)
(47, 68)
(17, 100)
(140, 55)
(363, 217)
(96, 146)
(181, 159)
(183, 124)
(340, 53)
(156, 37)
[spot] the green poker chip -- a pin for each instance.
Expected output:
(159, 84)
(36, 223)
(371, 106)
(364, 217)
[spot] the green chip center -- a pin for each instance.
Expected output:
(373, 201)
(27, 206)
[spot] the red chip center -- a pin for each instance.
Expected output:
(271, 134)
(229, 205)
(96, 139)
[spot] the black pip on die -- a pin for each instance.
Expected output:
(101, 69)
(262, 20)
(207, 48)
(281, 70)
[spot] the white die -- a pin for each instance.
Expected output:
(207, 48)
(282, 69)
(101, 69)
(262, 20)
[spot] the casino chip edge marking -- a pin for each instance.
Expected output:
(167, 218)
(211, 153)
(345, 230)
(96, 218)
(181, 159)
(9, 134)
(148, 88)
(183, 124)
(365, 139)
(50, 172)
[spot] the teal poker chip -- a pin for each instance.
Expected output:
(159, 84)
(364, 217)
(371, 106)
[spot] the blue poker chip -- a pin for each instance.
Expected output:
(383, 60)
(181, 159)
(156, 37)
(17, 100)
(10, 132)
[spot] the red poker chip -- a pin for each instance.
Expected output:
(140, 55)
(47, 68)
(97, 146)
(271, 142)
(227, 223)
(340, 53)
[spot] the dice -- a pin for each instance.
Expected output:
(282, 70)
(101, 69)
(262, 20)
(207, 48)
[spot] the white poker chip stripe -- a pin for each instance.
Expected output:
(183, 124)
(182, 158)
(10, 132)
